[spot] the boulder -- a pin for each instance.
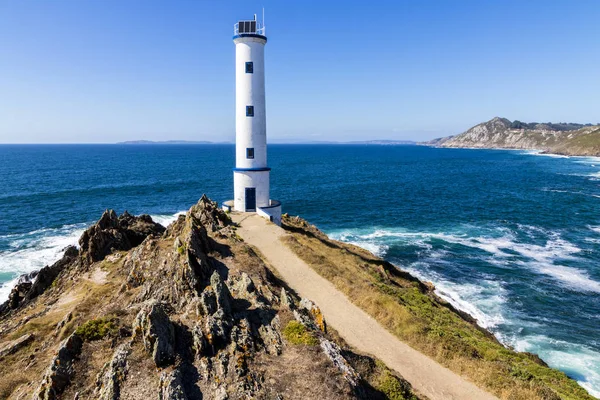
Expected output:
(158, 333)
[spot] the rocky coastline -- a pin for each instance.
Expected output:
(190, 311)
(501, 133)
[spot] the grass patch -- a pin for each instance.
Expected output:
(296, 333)
(96, 329)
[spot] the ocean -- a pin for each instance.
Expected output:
(512, 237)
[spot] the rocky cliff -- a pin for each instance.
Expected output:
(501, 133)
(140, 311)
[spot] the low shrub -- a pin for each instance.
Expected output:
(96, 329)
(296, 333)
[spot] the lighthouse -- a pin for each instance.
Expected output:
(251, 175)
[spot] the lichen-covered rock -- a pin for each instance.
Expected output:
(222, 293)
(334, 353)
(113, 374)
(287, 300)
(158, 333)
(171, 386)
(269, 332)
(60, 372)
(315, 312)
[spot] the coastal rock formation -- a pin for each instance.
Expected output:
(501, 133)
(113, 233)
(186, 312)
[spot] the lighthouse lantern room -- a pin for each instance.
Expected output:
(251, 173)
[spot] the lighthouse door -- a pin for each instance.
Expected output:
(250, 199)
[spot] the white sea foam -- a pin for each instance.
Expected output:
(595, 228)
(578, 361)
(34, 250)
(484, 301)
(166, 219)
(543, 259)
(540, 153)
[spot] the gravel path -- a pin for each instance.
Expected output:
(357, 328)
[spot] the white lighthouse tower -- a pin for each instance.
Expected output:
(251, 173)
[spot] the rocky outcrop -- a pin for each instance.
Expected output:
(188, 312)
(112, 233)
(61, 370)
(13, 346)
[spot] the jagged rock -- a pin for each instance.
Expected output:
(286, 300)
(15, 345)
(171, 386)
(216, 328)
(208, 302)
(269, 334)
(222, 293)
(334, 353)
(60, 372)
(199, 339)
(113, 374)
(112, 233)
(197, 246)
(209, 214)
(244, 284)
(315, 312)
(241, 336)
(158, 333)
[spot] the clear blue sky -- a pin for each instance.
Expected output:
(113, 70)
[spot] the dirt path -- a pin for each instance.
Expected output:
(357, 328)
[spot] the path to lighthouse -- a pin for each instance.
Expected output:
(357, 328)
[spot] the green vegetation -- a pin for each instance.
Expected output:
(96, 329)
(416, 316)
(394, 388)
(296, 333)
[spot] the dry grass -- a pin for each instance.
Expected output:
(418, 318)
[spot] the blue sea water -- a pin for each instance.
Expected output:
(511, 237)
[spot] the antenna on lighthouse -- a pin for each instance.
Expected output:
(263, 23)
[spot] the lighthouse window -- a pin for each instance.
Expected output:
(249, 67)
(250, 152)
(249, 111)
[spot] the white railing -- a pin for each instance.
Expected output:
(260, 28)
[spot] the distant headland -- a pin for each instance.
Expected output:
(571, 139)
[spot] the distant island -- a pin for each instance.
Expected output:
(171, 142)
(571, 139)
(373, 142)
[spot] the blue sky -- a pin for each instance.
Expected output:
(98, 71)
